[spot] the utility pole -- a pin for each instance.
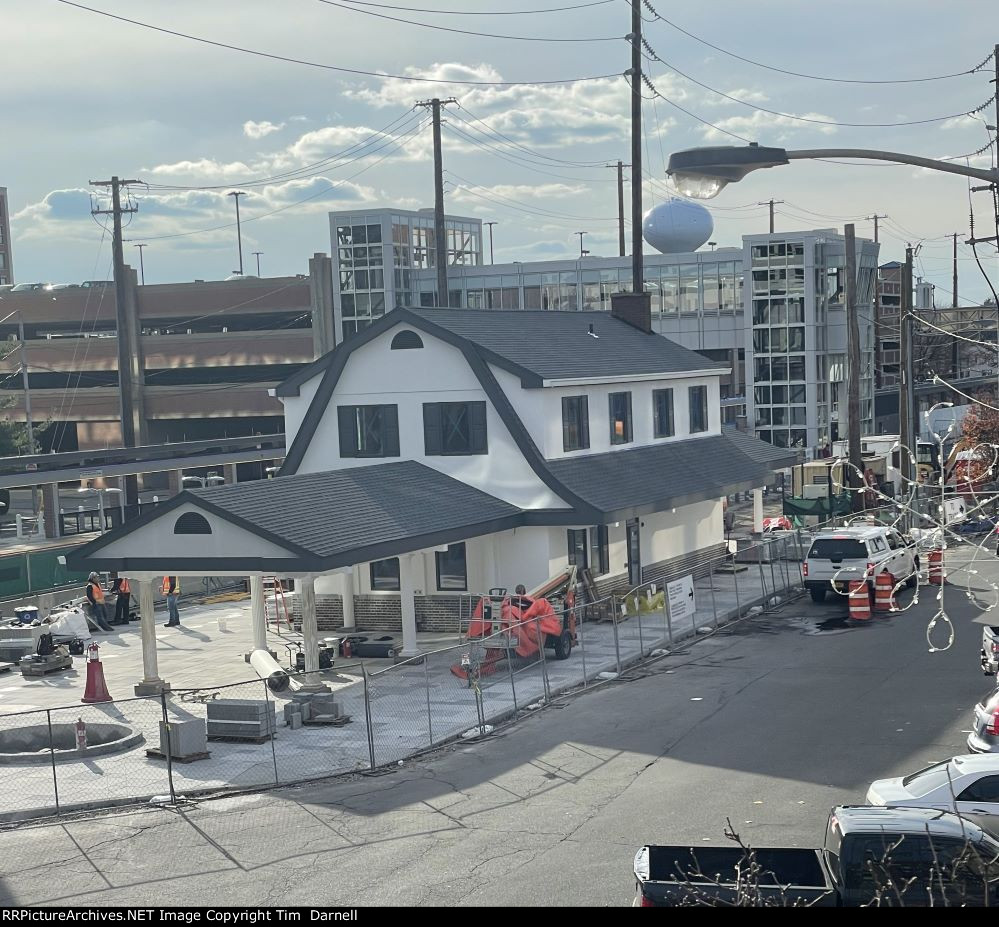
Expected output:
(771, 204)
(142, 266)
(22, 356)
(853, 362)
(877, 306)
(635, 72)
(490, 224)
(906, 388)
(620, 208)
(239, 233)
(257, 254)
(954, 352)
(124, 324)
(440, 235)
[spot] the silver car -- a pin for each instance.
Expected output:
(984, 736)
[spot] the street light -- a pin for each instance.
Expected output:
(213, 479)
(702, 173)
(99, 492)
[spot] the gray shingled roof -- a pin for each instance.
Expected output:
(661, 475)
(345, 510)
(761, 451)
(557, 345)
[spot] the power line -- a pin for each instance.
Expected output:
(311, 196)
(413, 9)
(822, 122)
(481, 35)
(524, 148)
(299, 173)
(838, 80)
(648, 83)
(331, 67)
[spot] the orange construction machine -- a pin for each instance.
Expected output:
(504, 624)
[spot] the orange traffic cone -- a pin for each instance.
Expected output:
(97, 688)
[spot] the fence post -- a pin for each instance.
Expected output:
(579, 638)
(426, 684)
(55, 778)
(735, 580)
(641, 641)
(666, 618)
(169, 747)
(544, 663)
(367, 716)
(479, 709)
(798, 557)
(509, 667)
(773, 577)
(763, 579)
(617, 648)
(267, 698)
(711, 585)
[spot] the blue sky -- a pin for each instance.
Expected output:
(87, 96)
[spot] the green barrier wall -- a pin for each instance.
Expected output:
(37, 571)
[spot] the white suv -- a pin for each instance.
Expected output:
(841, 555)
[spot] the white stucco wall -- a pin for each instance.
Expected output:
(376, 375)
(665, 535)
(541, 411)
(295, 407)
(226, 540)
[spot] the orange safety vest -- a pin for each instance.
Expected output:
(124, 588)
(98, 592)
(166, 585)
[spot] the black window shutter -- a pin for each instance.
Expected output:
(432, 428)
(584, 422)
(627, 426)
(566, 416)
(390, 431)
(477, 427)
(346, 416)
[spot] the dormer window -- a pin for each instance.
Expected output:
(575, 423)
(698, 409)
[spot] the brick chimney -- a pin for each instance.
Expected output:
(633, 308)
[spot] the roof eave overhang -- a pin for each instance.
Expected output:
(636, 377)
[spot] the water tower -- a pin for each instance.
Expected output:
(677, 226)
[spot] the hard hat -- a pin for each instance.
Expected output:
(93, 576)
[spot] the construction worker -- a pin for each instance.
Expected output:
(95, 596)
(171, 589)
(123, 590)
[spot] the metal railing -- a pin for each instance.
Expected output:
(381, 716)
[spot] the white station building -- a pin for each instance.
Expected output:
(441, 452)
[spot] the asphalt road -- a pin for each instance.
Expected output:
(767, 724)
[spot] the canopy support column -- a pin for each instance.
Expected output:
(408, 605)
(151, 683)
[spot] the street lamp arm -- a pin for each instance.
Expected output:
(992, 176)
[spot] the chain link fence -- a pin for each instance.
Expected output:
(155, 748)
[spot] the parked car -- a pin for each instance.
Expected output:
(967, 784)
(839, 556)
(990, 650)
(984, 736)
(929, 856)
(27, 287)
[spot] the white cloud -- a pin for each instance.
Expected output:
(767, 126)
(740, 93)
(253, 129)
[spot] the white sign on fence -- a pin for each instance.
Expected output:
(680, 596)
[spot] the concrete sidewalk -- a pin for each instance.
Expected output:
(411, 706)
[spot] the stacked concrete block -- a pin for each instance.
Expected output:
(187, 738)
(246, 718)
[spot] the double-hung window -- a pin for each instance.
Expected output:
(575, 423)
(698, 409)
(662, 413)
(620, 418)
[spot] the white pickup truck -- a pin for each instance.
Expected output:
(839, 556)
